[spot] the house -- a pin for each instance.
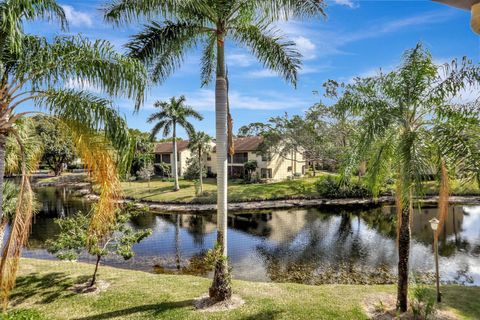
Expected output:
(271, 167)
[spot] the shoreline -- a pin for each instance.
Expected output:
(280, 203)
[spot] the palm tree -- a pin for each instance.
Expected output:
(200, 143)
(406, 128)
(185, 24)
(171, 113)
(55, 75)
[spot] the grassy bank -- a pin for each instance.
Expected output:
(43, 286)
(161, 191)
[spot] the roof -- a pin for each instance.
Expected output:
(247, 144)
(241, 145)
(167, 147)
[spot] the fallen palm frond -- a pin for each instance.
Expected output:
(99, 159)
(442, 199)
(19, 232)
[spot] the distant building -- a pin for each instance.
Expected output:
(270, 167)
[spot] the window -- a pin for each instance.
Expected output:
(267, 156)
(158, 158)
(289, 169)
(238, 158)
(165, 158)
(209, 157)
(266, 173)
(209, 170)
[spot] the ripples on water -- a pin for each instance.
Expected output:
(328, 245)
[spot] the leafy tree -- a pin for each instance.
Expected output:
(408, 125)
(73, 239)
(253, 129)
(58, 148)
(34, 69)
(143, 150)
(192, 172)
(176, 26)
(146, 172)
(250, 167)
(171, 114)
(200, 144)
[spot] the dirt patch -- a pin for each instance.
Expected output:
(382, 306)
(85, 288)
(205, 304)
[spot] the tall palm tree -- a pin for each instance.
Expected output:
(54, 76)
(407, 127)
(177, 26)
(200, 143)
(171, 114)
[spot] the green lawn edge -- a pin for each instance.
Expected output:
(42, 285)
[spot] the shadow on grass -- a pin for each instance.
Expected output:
(155, 309)
(45, 288)
(264, 315)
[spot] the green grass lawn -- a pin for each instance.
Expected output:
(161, 191)
(43, 286)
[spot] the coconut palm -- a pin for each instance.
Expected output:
(171, 114)
(406, 129)
(178, 26)
(200, 143)
(55, 76)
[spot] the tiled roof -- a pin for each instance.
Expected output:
(167, 147)
(241, 145)
(247, 144)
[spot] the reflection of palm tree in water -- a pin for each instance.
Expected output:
(196, 227)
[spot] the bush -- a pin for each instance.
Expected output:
(423, 303)
(192, 172)
(331, 187)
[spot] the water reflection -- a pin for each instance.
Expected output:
(334, 245)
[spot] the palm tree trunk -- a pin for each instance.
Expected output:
(221, 288)
(3, 141)
(403, 256)
(200, 168)
(176, 186)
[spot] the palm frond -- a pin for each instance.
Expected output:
(271, 49)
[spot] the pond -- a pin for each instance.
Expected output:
(306, 245)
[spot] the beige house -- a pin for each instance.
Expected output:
(271, 168)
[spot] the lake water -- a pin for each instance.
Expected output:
(307, 245)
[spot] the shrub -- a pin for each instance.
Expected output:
(331, 187)
(193, 171)
(423, 303)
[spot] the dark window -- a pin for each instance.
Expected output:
(209, 170)
(238, 158)
(158, 158)
(166, 158)
(267, 157)
(266, 173)
(289, 169)
(209, 157)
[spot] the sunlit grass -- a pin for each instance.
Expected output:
(43, 286)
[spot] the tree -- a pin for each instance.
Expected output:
(406, 127)
(34, 69)
(146, 172)
(58, 148)
(73, 239)
(143, 150)
(171, 114)
(185, 24)
(200, 144)
(250, 166)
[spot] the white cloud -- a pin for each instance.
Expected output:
(306, 47)
(240, 60)
(204, 100)
(77, 18)
(81, 84)
(347, 3)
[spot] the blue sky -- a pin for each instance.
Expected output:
(356, 39)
